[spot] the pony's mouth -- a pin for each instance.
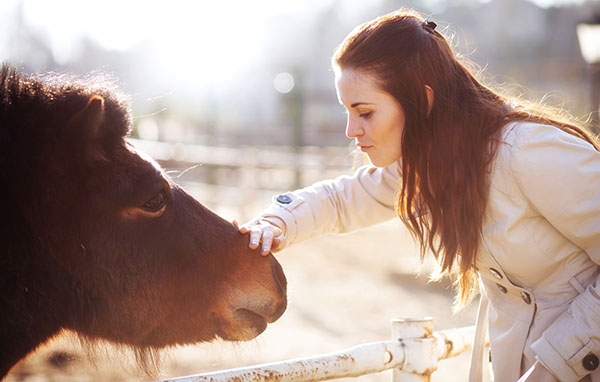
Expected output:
(251, 319)
(244, 325)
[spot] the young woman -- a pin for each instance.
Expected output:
(505, 195)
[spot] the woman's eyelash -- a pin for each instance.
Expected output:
(365, 115)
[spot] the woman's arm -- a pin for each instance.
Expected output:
(560, 175)
(331, 206)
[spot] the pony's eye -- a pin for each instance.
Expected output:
(156, 203)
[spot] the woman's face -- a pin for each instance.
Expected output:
(375, 119)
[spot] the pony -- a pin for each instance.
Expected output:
(97, 239)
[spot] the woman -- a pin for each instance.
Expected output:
(505, 195)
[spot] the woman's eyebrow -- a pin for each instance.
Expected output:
(361, 103)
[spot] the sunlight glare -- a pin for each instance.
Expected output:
(209, 41)
(203, 41)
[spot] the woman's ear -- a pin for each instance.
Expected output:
(430, 98)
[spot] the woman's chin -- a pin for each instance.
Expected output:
(380, 162)
(383, 158)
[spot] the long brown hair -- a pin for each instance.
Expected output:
(447, 152)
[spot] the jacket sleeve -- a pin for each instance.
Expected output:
(339, 205)
(560, 175)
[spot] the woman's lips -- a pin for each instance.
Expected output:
(364, 148)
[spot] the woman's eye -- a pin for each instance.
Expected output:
(366, 115)
(156, 202)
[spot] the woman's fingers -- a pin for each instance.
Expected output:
(267, 240)
(244, 228)
(279, 241)
(272, 239)
(255, 235)
(262, 234)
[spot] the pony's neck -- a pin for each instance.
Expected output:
(25, 322)
(33, 299)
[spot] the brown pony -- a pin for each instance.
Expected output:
(96, 239)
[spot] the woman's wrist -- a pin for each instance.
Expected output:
(275, 221)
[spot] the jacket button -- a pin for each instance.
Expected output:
(526, 297)
(496, 274)
(284, 199)
(590, 362)
(502, 288)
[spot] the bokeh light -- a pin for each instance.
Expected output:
(284, 82)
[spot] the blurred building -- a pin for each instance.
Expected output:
(515, 41)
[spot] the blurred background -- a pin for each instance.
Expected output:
(255, 77)
(236, 100)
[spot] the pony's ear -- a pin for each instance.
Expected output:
(83, 131)
(88, 120)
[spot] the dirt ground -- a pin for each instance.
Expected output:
(343, 291)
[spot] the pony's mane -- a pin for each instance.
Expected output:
(65, 93)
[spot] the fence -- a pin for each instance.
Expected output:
(297, 164)
(238, 177)
(413, 354)
(414, 351)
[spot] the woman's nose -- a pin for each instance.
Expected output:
(353, 129)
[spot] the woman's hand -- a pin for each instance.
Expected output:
(266, 233)
(537, 373)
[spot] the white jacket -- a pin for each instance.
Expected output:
(539, 256)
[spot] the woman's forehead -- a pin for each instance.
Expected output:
(357, 87)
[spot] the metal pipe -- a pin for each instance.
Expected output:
(413, 355)
(420, 361)
(358, 360)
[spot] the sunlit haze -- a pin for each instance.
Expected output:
(209, 40)
(208, 67)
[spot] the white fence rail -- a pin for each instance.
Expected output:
(265, 167)
(413, 353)
(218, 175)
